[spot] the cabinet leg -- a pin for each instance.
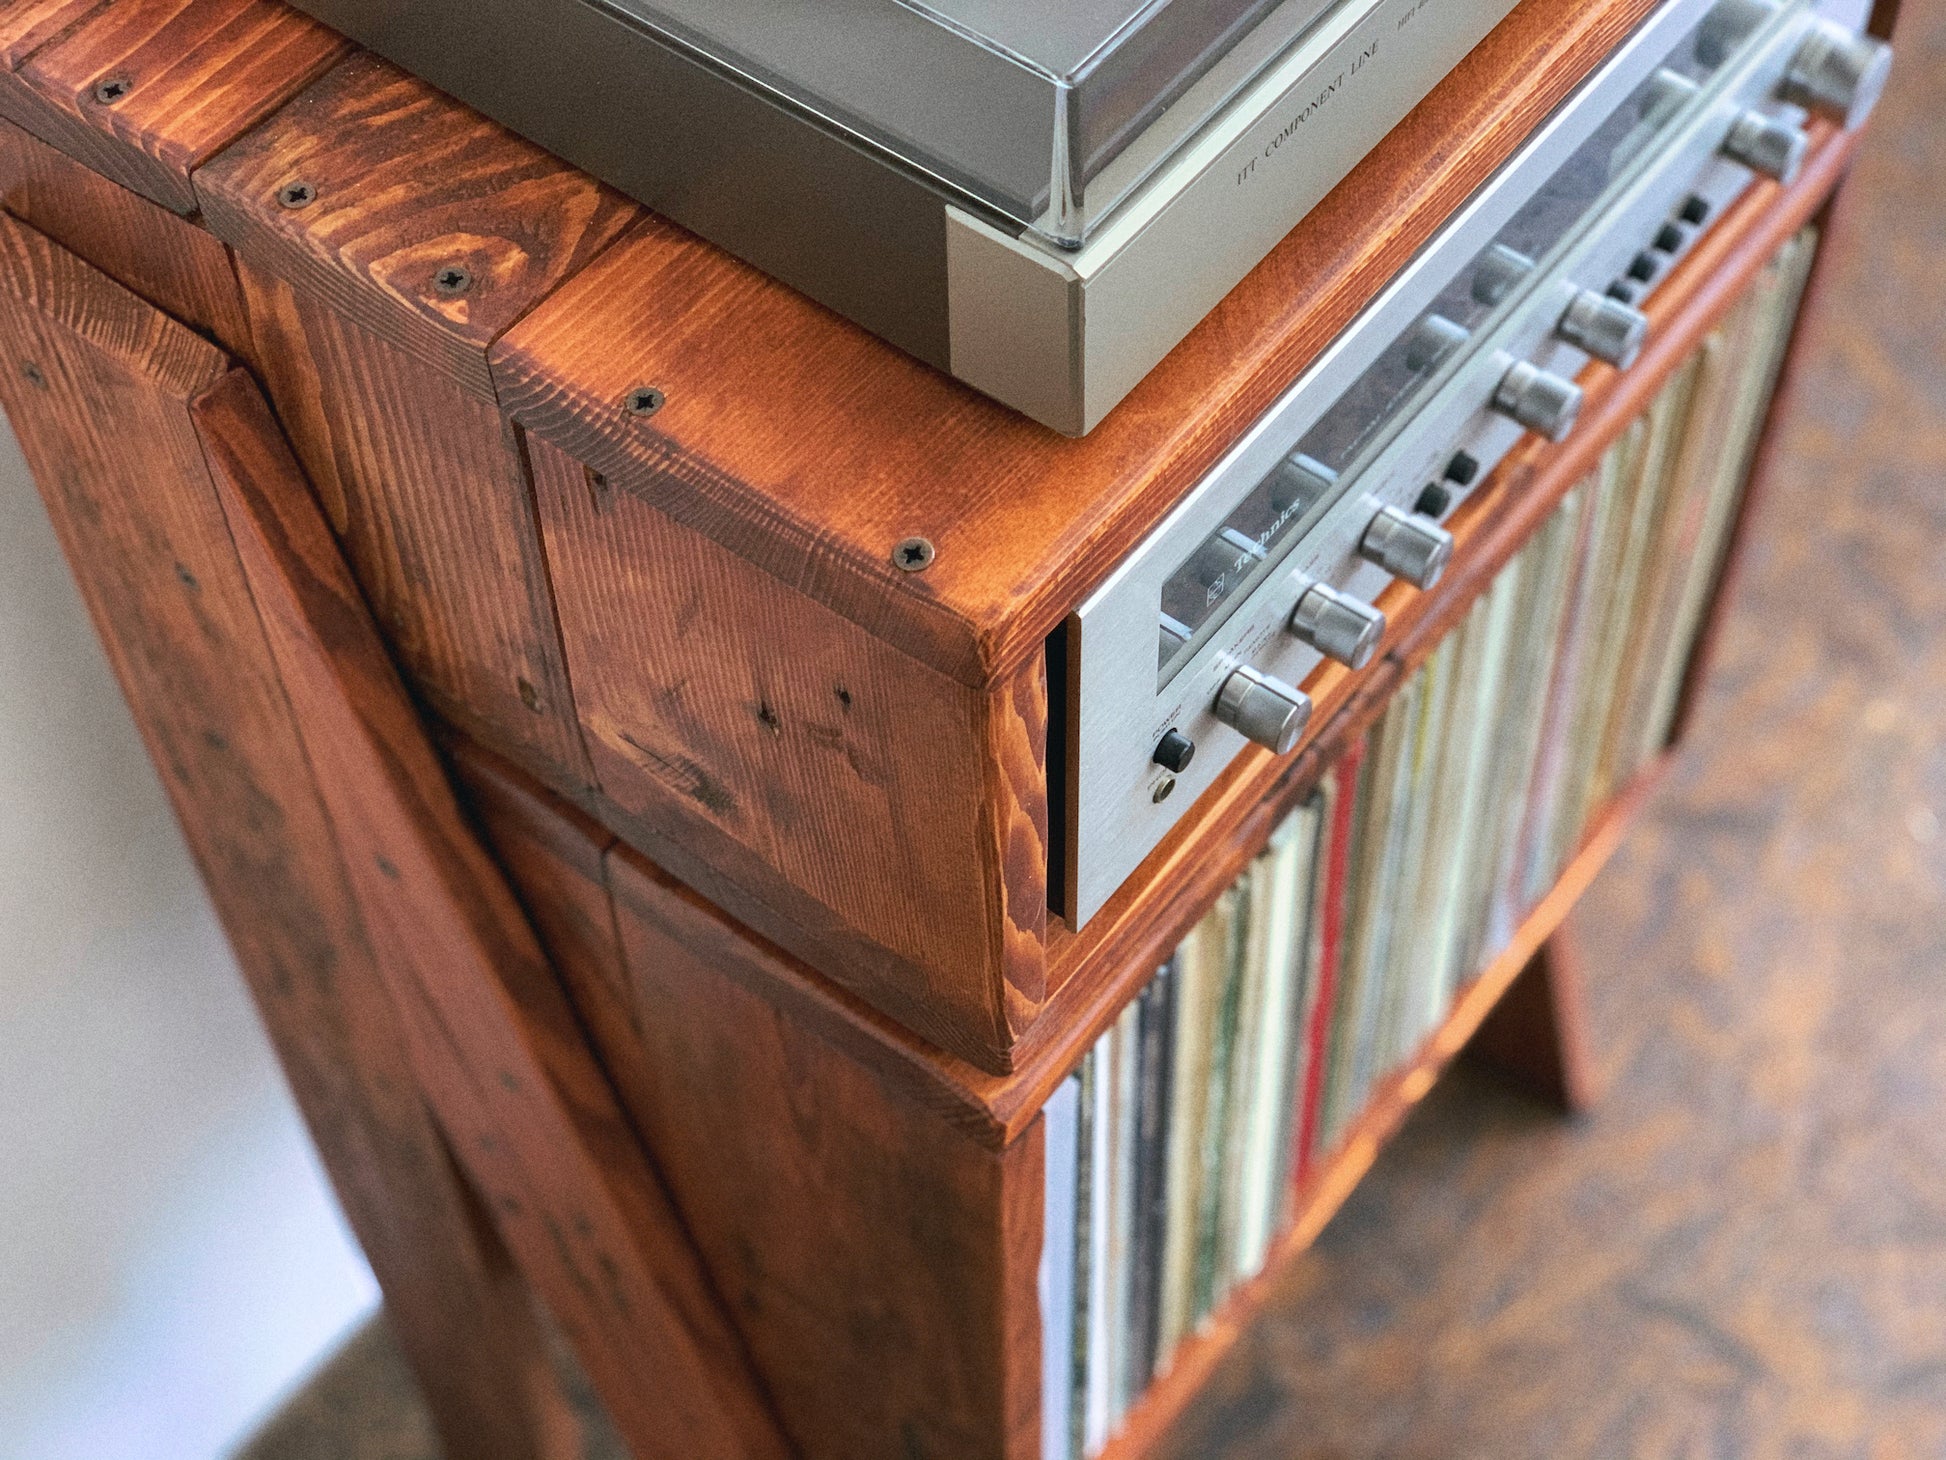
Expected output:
(97, 387)
(1537, 1034)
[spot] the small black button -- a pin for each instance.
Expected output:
(1433, 501)
(1622, 290)
(1462, 469)
(1669, 239)
(1695, 211)
(1174, 751)
(1641, 268)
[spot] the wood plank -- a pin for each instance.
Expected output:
(1537, 1035)
(96, 388)
(495, 1044)
(405, 187)
(811, 449)
(27, 25)
(880, 819)
(145, 91)
(148, 250)
(424, 486)
(379, 372)
(557, 863)
(880, 1263)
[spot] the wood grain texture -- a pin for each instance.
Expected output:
(27, 25)
(495, 1045)
(408, 185)
(880, 1263)
(812, 449)
(1536, 1036)
(728, 1134)
(88, 370)
(148, 250)
(380, 373)
(879, 818)
(424, 486)
(144, 91)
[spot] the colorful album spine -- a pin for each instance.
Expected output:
(1180, 1148)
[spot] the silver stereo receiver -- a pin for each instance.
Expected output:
(1195, 644)
(1041, 199)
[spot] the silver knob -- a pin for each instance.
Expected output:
(1498, 272)
(1434, 339)
(1264, 709)
(1539, 399)
(1837, 74)
(1338, 625)
(1611, 331)
(1300, 481)
(1407, 546)
(1766, 145)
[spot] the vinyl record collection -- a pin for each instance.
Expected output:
(1175, 1151)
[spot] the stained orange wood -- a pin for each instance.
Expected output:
(27, 25)
(496, 1048)
(829, 1200)
(97, 386)
(378, 369)
(811, 449)
(142, 246)
(144, 91)
(406, 187)
(880, 1263)
(877, 816)
(1537, 1034)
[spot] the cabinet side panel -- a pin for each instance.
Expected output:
(96, 386)
(426, 491)
(850, 795)
(875, 1259)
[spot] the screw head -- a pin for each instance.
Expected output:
(297, 195)
(453, 280)
(644, 400)
(113, 89)
(914, 555)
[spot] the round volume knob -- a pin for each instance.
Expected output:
(1174, 751)
(1539, 399)
(1261, 708)
(1837, 74)
(1611, 331)
(1338, 625)
(1764, 144)
(1407, 546)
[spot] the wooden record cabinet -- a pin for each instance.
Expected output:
(644, 880)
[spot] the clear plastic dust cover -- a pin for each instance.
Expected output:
(1048, 112)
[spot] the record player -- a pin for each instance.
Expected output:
(1040, 199)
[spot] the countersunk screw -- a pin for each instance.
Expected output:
(644, 400)
(452, 281)
(113, 90)
(297, 195)
(33, 373)
(914, 555)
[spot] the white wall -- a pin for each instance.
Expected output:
(170, 1257)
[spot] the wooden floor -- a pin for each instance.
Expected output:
(1742, 1252)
